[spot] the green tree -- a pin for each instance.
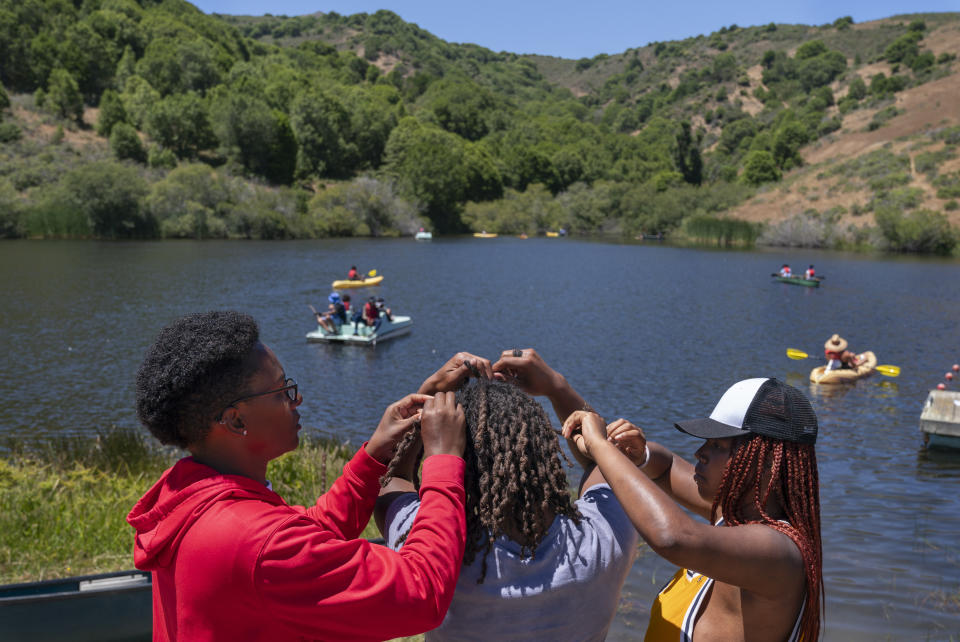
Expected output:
(904, 49)
(63, 95)
(125, 143)
(428, 165)
(254, 135)
(787, 141)
(687, 155)
(321, 125)
(4, 100)
(109, 195)
(760, 167)
(858, 88)
(138, 99)
(111, 112)
(179, 122)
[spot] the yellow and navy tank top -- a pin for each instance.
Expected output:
(674, 613)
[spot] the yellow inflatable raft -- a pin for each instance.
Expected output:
(868, 363)
(343, 284)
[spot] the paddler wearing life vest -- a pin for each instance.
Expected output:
(810, 273)
(835, 349)
(785, 271)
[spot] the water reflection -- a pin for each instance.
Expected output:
(650, 333)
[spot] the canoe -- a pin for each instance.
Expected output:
(868, 363)
(484, 235)
(423, 236)
(108, 606)
(365, 336)
(799, 280)
(344, 284)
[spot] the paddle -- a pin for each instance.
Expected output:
(890, 371)
(372, 273)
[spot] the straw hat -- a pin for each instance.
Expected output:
(836, 343)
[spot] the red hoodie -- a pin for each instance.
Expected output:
(232, 561)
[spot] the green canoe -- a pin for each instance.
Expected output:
(799, 280)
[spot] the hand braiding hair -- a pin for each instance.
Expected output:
(514, 477)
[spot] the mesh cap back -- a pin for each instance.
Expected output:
(782, 412)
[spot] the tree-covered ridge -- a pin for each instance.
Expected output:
(633, 142)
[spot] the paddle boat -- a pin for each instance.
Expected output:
(940, 419)
(867, 363)
(423, 235)
(485, 235)
(344, 284)
(365, 336)
(108, 606)
(798, 280)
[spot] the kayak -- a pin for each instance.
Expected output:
(799, 280)
(365, 334)
(553, 235)
(344, 284)
(868, 363)
(484, 235)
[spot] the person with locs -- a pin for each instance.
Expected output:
(537, 565)
(838, 357)
(755, 571)
(230, 559)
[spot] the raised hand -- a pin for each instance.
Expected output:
(455, 371)
(527, 370)
(398, 418)
(442, 426)
(585, 429)
(629, 439)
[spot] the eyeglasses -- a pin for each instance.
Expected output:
(289, 387)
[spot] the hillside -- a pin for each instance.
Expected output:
(836, 135)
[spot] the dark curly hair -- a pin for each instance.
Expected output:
(513, 476)
(195, 367)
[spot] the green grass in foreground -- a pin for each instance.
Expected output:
(63, 503)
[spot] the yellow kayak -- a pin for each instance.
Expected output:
(344, 284)
(553, 235)
(868, 363)
(484, 235)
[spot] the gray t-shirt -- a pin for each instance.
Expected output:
(568, 591)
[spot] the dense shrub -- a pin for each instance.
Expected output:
(125, 143)
(918, 231)
(760, 167)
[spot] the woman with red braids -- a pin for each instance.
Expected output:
(755, 571)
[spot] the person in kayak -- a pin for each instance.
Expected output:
(534, 556)
(353, 275)
(838, 357)
(785, 271)
(755, 571)
(335, 316)
(810, 273)
(230, 559)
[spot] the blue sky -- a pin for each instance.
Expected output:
(579, 28)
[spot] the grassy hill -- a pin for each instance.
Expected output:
(837, 135)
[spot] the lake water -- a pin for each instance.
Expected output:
(643, 331)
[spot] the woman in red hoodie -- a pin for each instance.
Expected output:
(230, 559)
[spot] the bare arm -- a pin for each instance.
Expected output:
(754, 557)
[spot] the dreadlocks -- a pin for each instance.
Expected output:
(789, 470)
(513, 478)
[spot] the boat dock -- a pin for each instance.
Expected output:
(940, 419)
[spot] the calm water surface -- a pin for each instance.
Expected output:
(647, 332)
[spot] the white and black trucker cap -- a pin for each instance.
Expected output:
(758, 406)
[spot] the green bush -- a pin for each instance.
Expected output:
(125, 143)
(111, 112)
(760, 167)
(11, 211)
(9, 132)
(108, 194)
(928, 162)
(951, 206)
(63, 95)
(918, 231)
(948, 185)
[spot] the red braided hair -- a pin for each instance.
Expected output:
(791, 469)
